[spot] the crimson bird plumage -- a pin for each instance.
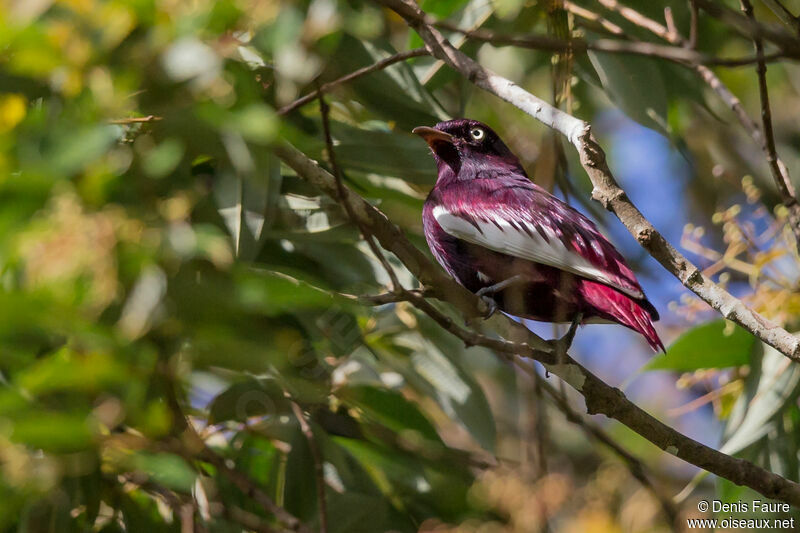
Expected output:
(505, 238)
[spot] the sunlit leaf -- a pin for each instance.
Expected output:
(390, 409)
(718, 344)
(167, 469)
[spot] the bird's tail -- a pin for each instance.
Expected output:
(613, 305)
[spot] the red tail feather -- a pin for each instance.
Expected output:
(613, 305)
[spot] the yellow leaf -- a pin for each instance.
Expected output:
(12, 111)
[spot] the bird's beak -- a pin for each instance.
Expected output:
(432, 135)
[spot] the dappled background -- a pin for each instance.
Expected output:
(160, 264)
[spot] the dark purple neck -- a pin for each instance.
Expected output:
(466, 167)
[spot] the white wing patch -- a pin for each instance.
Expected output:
(503, 237)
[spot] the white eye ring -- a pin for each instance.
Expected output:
(477, 133)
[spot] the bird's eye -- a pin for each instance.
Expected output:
(477, 133)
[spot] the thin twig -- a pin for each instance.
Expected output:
(704, 72)
(670, 21)
(614, 46)
(319, 472)
(668, 35)
(247, 519)
(600, 397)
(192, 447)
(764, 139)
(249, 488)
(591, 16)
(324, 110)
(693, 22)
(390, 297)
(783, 13)
(328, 87)
(136, 120)
(232, 512)
(780, 36)
(780, 173)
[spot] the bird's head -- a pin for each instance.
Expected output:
(464, 146)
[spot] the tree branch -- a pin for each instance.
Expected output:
(766, 141)
(135, 120)
(328, 87)
(606, 189)
(337, 173)
(693, 23)
(192, 447)
(250, 489)
(785, 40)
(600, 397)
(593, 17)
(783, 13)
(780, 173)
(675, 54)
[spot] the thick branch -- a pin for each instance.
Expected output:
(600, 397)
(606, 189)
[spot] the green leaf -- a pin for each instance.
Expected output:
(242, 203)
(636, 86)
(460, 396)
(718, 344)
(442, 8)
(428, 485)
(393, 93)
(771, 386)
(55, 432)
(69, 371)
(390, 409)
(74, 149)
(398, 154)
(163, 159)
(273, 294)
(351, 512)
(167, 469)
(247, 398)
(257, 123)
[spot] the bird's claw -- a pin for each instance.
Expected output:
(562, 345)
(491, 305)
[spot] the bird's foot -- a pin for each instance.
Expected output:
(491, 305)
(563, 344)
(497, 287)
(485, 292)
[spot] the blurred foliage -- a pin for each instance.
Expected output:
(159, 261)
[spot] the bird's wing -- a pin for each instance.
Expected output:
(525, 221)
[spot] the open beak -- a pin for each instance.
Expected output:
(432, 135)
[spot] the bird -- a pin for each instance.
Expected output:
(520, 248)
